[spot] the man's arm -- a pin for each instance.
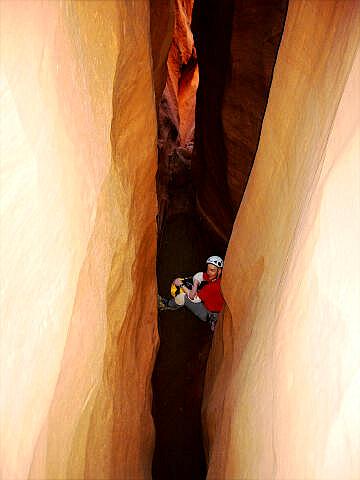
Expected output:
(197, 279)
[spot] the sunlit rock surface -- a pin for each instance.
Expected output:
(162, 22)
(179, 96)
(283, 384)
(176, 112)
(236, 43)
(78, 209)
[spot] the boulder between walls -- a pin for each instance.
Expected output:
(282, 385)
(78, 240)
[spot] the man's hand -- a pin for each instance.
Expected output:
(192, 293)
(178, 282)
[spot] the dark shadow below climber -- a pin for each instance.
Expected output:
(180, 366)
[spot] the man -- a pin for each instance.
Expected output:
(201, 294)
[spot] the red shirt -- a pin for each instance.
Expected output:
(211, 295)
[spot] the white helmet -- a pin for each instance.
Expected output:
(215, 260)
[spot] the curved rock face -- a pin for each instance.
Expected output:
(162, 18)
(78, 240)
(236, 43)
(283, 385)
(176, 112)
(178, 101)
(78, 237)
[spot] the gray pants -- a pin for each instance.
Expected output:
(198, 309)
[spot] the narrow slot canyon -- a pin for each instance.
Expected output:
(186, 232)
(183, 242)
(137, 139)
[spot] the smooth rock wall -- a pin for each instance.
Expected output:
(162, 22)
(236, 43)
(78, 240)
(283, 381)
(178, 100)
(176, 109)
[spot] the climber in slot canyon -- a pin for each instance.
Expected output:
(201, 294)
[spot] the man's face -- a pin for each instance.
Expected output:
(212, 271)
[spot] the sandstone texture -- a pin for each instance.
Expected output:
(176, 112)
(78, 231)
(78, 240)
(283, 383)
(162, 22)
(236, 43)
(181, 84)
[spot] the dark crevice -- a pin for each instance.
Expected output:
(195, 175)
(185, 342)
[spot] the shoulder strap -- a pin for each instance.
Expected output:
(202, 284)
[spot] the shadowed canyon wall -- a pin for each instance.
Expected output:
(78, 240)
(162, 20)
(236, 43)
(176, 110)
(283, 381)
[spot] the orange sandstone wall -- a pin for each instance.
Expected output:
(178, 100)
(176, 109)
(162, 20)
(78, 158)
(283, 382)
(236, 43)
